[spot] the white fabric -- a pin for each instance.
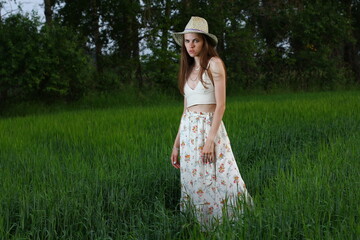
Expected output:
(200, 94)
(211, 188)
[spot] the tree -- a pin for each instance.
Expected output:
(48, 5)
(84, 17)
(46, 64)
(352, 45)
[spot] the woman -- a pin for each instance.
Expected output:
(210, 178)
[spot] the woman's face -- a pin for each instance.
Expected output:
(193, 43)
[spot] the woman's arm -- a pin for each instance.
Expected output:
(218, 72)
(176, 147)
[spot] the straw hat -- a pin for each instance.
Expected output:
(195, 25)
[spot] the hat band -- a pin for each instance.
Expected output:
(194, 29)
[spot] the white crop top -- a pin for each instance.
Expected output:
(200, 94)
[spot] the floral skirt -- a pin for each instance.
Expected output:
(214, 189)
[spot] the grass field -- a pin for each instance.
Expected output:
(105, 173)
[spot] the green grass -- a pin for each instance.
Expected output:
(105, 173)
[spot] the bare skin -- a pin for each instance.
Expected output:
(193, 44)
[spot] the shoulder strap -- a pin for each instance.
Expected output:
(208, 72)
(209, 63)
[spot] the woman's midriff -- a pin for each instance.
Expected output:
(202, 108)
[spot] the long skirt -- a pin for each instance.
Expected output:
(214, 190)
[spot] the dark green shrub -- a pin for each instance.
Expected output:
(46, 64)
(66, 70)
(20, 57)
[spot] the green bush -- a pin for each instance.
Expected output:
(66, 70)
(317, 35)
(48, 63)
(19, 57)
(161, 70)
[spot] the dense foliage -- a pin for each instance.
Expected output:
(266, 44)
(41, 64)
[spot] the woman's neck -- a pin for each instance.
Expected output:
(197, 61)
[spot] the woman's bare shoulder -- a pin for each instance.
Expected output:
(216, 64)
(215, 60)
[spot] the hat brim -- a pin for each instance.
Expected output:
(178, 37)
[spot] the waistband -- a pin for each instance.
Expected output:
(198, 114)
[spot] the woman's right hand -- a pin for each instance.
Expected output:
(175, 158)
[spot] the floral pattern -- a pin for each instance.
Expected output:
(213, 187)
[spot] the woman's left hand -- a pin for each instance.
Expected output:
(208, 152)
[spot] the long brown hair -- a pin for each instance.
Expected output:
(187, 63)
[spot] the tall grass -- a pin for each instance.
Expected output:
(106, 173)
